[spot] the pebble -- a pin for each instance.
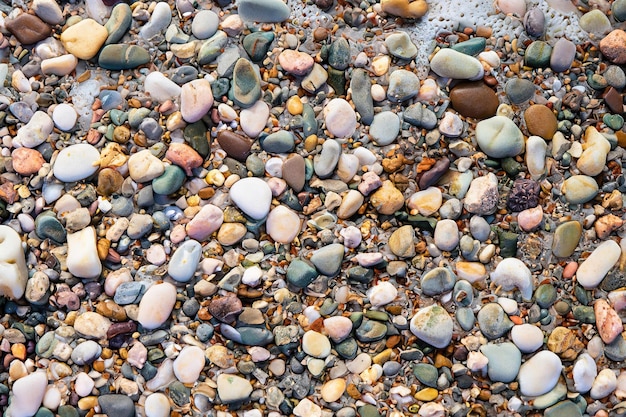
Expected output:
(527, 338)
(156, 305)
(82, 47)
(253, 196)
(446, 235)
(519, 90)
(385, 128)
(593, 269)
(449, 63)
(204, 24)
(196, 99)
(584, 373)
(499, 137)
(566, 238)
(579, 189)
(64, 117)
(184, 261)
(465, 94)
(92, 325)
(82, 254)
(340, 118)
(76, 162)
(505, 360)
(403, 85)
(283, 224)
(26, 161)
(326, 161)
(595, 22)
(188, 364)
(328, 259)
(612, 47)
(27, 394)
(296, 62)
(563, 55)
(316, 344)
(160, 19)
(432, 325)
(160, 87)
(35, 132)
(538, 54)
(254, 118)
(157, 405)
(540, 121)
(117, 404)
(27, 28)
(399, 45)
(263, 11)
(604, 384)
(246, 84)
(482, 195)
(539, 374)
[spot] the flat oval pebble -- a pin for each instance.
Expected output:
(539, 374)
(196, 98)
(265, 11)
(433, 325)
(464, 97)
(449, 63)
(76, 162)
(156, 305)
(340, 118)
(253, 196)
(385, 128)
(185, 260)
(283, 224)
(499, 137)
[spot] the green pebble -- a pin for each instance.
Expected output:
(377, 315)
(347, 349)
(328, 307)
(119, 22)
(339, 54)
(118, 117)
(122, 57)
(301, 273)
(584, 314)
(257, 44)
(368, 410)
(309, 125)
(614, 121)
(67, 411)
(282, 141)
(136, 116)
(246, 86)
(508, 243)
(566, 238)
(618, 9)
(48, 227)
(44, 412)
(465, 317)
(597, 82)
(337, 80)
(537, 55)
(371, 331)
(170, 181)
(255, 165)
(195, 135)
(426, 373)
(545, 295)
(562, 307)
(563, 409)
(471, 47)
(212, 48)
(179, 393)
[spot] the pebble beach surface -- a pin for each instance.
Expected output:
(325, 208)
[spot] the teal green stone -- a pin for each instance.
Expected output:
(508, 243)
(255, 336)
(368, 410)
(136, 116)
(360, 274)
(48, 227)
(195, 135)
(618, 9)
(538, 55)
(545, 295)
(220, 87)
(339, 54)
(584, 314)
(337, 80)
(371, 331)
(426, 373)
(377, 315)
(471, 47)
(118, 57)
(616, 350)
(328, 307)
(563, 409)
(246, 87)
(356, 318)
(282, 141)
(67, 411)
(44, 412)
(597, 82)
(466, 318)
(511, 166)
(257, 44)
(300, 273)
(212, 48)
(118, 117)
(119, 23)
(170, 181)
(551, 397)
(46, 345)
(614, 121)
(309, 122)
(263, 11)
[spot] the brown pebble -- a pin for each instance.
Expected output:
(474, 99)
(27, 161)
(109, 182)
(236, 146)
(28, 28)
(121, 328)
(614, 100)
(226, 309)
(484, 31)
(540, 121)
(111, 310)
(294, 172)
(184, 156)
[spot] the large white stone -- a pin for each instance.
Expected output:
(188, 364)
(382, 293)
(584, 372)
(160, 87)
(185, 260)
(340, 118)
(13, 270)
(233, 388)
(196, 99)
(527, 338)
(156, 305)
(316, 344)
(283, 224)
(27, 394)
(76, 162)
(143, 166)
(254, 118)
(511, 273)
(253, 196)
(539, 374)
(593, 270)
(82, 254)
(157, 405)
(35, 132)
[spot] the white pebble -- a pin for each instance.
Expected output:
(83, 384)
(382, 293)
(604, 384)
(76, 162)
(82, 254)
(511, 273)
(593, 270)
(156, 305)
(584, 373)
(539, 374)
(189, 364)
(157, 405)
(253, 196)
(64, 117)
(527, 338)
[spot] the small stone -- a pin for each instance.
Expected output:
(540, 121)
(157, 405)
(332, 390)
(188, 364)
(539, 374)
(499, 137)
(257, 44)
(608, 321)
(446, 235)
(119, 22)
(579, 189)
(505, 360)
(253, 196)
(449, 63)
(593, 270)
(420, 116)
(382, 293)
(438, 281)
(566, 238)
(538, 54)
(316, 344)
(185, 260)
(595, 22)
(27, 28)
(81, 46)
(527, 338)
(263, 11)
(307, 408)
(64, 117)
(387, 199)
(196, 98)
(482, 196)
(27, 161)
(433, 325)
(204, 24)
(35, 132)
(159, 20)
(403, 85)
(385, 128)
(399, 45)
(465, 96)
(360, 87)
(493, 321)
(27, 393)
(246, 84)
(328, 259)
(283, 224)
(584, 373)
(156, 305)
(117, 405)
(340, 118)
(48, 10)
(118, 57)
(535, 22)
(296, 62)
(519, 90)
(326, 161)
(402, 242)
(92, 325)
(563, 55)
(405, 8)
(604, 384)
(613, 46)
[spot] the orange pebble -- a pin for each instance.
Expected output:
(570, 269)
(516, 319)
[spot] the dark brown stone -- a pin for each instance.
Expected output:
(294, 172)
(121, 328)
(540, 121)
(236, 146)
(474, 99)
(226, 309)
(109, 181)
(28, 28)
(614, 101)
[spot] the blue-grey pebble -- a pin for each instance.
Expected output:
(140, 225)
(493, 321)
(300, 273)
(505, 360)
(204, 332)
(118, 23)
(212, 47)
(360, 86)
(385, 128)
(246, 85)
(328, 259)
(563, 409)
(21, 111)
(465, 317)
(130, 292)
(205, 24)
(538, 54)
(257, 44)
(426, 373)
(184, 74)
(117, 405)
(519, 90)
(472, 46)
(282, 141)
(421, 116)
(437, 281)
(615, 77)
(121, 206)
(479, 228)
(618, 8)
(403, 85)
(118, 57)
(151, 129)
(170, 181)
(184, 261)
(263, 11)
(86, 352)
(48, 227)
(339, 54)
(110, 99)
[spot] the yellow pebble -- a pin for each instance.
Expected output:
(383, 356)
(215, 177)
(294, 105)
(87, 403)
(310, 143)
(427, 394)
(193, 201)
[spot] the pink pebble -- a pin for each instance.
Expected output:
(530, 219)
(570, 269)
(184, 156)
(608, 322)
